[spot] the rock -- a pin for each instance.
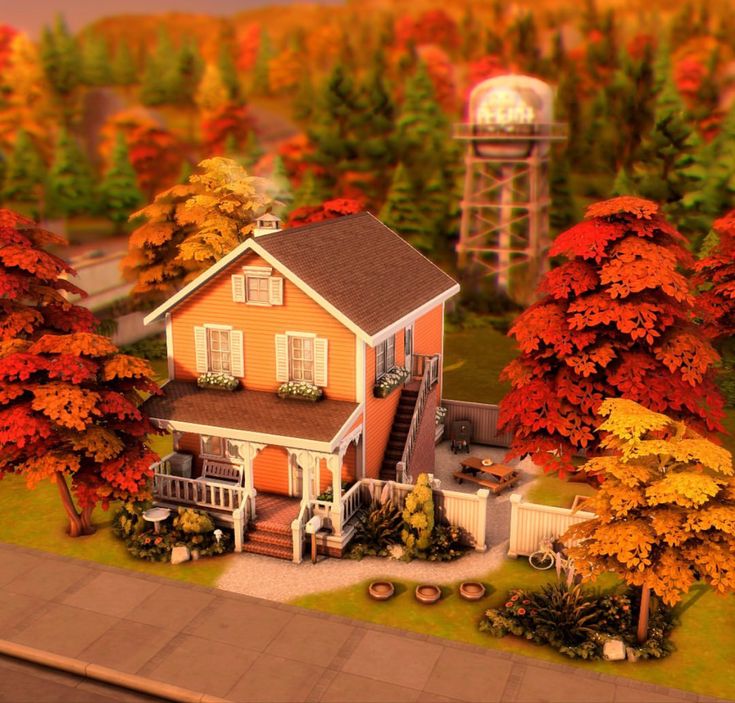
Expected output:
(632, 654)
(194, 554)
(180, 554)
(613, 650)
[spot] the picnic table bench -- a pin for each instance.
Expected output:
(496, 477)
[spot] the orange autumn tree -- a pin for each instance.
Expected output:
(665, 514)
(329, 209)
(616, 321)
(191, 226)
(68, 398)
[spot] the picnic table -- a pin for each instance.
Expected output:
(483, 472)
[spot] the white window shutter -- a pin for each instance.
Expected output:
(237, 354)
(281, 358)
(200, 348)
(320, 362)
(238, 288)
(275, 290)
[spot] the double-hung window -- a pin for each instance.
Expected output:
(301, 358)
(218, 448)
(219, 358)
(385, 356)
(257, 289)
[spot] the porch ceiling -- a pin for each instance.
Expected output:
(250, 411)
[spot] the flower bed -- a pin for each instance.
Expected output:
(300, 390)
(577, 623)
(190, 528)
(390, 381)
(218, 381)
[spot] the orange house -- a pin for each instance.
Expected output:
(346, 309)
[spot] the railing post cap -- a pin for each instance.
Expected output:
(483, 493)
(516, 498)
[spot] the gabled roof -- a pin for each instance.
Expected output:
(354, 266)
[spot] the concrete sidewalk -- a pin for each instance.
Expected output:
(241, 648)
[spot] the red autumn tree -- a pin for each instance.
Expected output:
(7, 34)
(295, 152)
(156, 157)
(229, 123)
(68, 398)
(431, 27)
(616, 321)
(441, 71)
(715, 273)
(247, 48)
(328, 210)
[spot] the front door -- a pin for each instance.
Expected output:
(408, 350)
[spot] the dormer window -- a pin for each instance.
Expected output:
(256, 289)
(256, 286)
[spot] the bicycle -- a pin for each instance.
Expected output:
(547, 556)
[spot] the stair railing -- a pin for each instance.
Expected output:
(430, 366)
(298, 529)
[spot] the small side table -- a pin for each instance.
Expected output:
(156, 516)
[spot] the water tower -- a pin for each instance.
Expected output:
(505, 208)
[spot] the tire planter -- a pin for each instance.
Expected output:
(381, 590)
(428, 594)
(472, 590)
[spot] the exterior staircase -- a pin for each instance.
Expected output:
(270, 539)
(398, 434)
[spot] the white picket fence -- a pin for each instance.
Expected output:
(466, 510)
(530, 523)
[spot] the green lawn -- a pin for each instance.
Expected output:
(36, 519)
(704, 641)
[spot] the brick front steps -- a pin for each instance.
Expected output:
(270, 539)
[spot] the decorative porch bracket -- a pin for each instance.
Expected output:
(247, 451)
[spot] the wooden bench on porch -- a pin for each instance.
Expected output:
(221, 472)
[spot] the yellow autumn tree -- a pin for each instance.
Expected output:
(665, 511)
(191, 226)
(284, 70)
(212, 93)
(27, 96)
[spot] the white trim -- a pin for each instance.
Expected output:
(253, 245)
(412, 316)
(169, 346)
(363, 443)
(359, 370)
(300, 334)
(440, 371)
(244, 435)
(263, 271)
(217, 327)
(347, 424)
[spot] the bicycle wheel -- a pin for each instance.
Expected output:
(541, 560)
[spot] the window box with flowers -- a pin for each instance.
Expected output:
(389, 381)
(218, 381)
(300, 390)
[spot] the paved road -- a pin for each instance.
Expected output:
(242, 648)
(22, 682)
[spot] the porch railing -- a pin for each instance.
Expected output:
(423, 361)
(298, 530)
(350, 504)
(429, 376)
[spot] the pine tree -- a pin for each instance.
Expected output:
(333, 131)
(303, 103)
(309, 193)
(212, 93)
(563, 213)
(24, 178)
(124, 70)
(96, 68)
(70, 179)
(189, 67)
(401, 212)
(62, 64)
(261, 81)
(228, 74)
(253, 150)
(280, 186)
(119, 193)
(158, 83)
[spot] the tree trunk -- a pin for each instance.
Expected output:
(642, 633)
(87, 527)
(75, 521)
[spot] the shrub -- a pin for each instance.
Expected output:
(300, 389)
(418, 518)
(377, 529)
(193, 521)
(448, 542)
(577, 623)
(151, 348)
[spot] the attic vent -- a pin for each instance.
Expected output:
(266, 224)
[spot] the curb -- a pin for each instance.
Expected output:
(106, 675)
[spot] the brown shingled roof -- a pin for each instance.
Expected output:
(361, 267)
(250, 411)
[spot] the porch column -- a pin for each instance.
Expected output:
(307, 461)
(247, 452)
(334, 464)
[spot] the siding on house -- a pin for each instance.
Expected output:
(213, 304)
(270, 470)
(379, 412)
(428, 340)
(348, 470)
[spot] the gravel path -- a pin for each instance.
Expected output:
(280, 580)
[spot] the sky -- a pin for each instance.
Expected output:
(31, 15)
